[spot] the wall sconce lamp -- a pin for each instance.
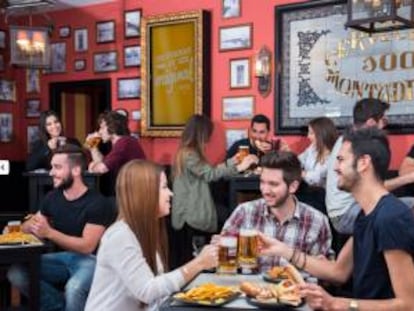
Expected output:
(262, 66)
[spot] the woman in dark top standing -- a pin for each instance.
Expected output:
(51, 135)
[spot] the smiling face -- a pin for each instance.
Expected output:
(164, 197)
(348, 176)
(274, 189)
(258, 131)
(53, 126)
(61, 171)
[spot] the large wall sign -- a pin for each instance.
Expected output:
(322, 69)
(176, 72)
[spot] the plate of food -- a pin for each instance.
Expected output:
(208, 294)
(18, 238)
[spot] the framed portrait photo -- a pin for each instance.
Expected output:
(105, 31)
(238, 108)
(106, 61)
(32, 108)
(2, 39)
(230, 8)
(32, 135)
(132, 56)
(233, 135)
(79, 64)
(58, 57)
(64, 32)
(239, 73)
(7, 90)
(235, 37)
(81, 40)
(32, 80)
(132, 23)
(6, 127)
(129, 88)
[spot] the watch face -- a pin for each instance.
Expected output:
(353, 305)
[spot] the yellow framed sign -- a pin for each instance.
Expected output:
(175, 71)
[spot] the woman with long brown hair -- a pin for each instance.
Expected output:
(133, 255)
(194, 212)
(322, 135)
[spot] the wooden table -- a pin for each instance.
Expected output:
(30, 256)
(239, 303)
(40, 181)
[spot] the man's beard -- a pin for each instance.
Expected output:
(281, 202)
(66, 183)
(350, 183)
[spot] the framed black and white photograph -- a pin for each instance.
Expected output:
(1, 63)
(6, 127)
(7, 90)
(32, 108)
(64, 32)
(235, 37)
(2, 39)
(129, 88)
(105, 31)
(106, 61)
(136, 115)
(132, 56)
(238, 108)
(80, 64)
(132, 23)
(32, 80)
(239, 73)
(81, 40)
(58, 57)
(233, 135)
(32, 135)
(231, 8)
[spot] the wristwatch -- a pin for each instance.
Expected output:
(353, 305)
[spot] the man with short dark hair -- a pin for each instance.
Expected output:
(113, 128)
(258, 132)
(279, 214)
(73, 218)
(341, 205)
(379, 255)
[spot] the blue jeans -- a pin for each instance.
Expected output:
(70, 271)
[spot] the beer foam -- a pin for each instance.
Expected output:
(228, 241)
(248, 232)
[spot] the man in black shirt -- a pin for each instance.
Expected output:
(74, 218)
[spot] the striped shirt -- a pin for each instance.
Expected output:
(307, 230)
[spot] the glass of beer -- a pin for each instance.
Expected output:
(247, 250)
(227, 255)
(93, 142)
(14, 226)
(242, 152)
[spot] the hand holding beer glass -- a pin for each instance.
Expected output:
(92, 140)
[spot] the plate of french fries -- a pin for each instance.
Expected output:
(19, 238)
(208, 294)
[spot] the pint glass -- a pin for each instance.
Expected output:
(247, 251)
(92, 142)
(227, 255)
(14, 226)
(242, 152)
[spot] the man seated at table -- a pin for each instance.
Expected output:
(113, 127)
(379, 255)
(258, 132)
(73, 218)
(279, 214)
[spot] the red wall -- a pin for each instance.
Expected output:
(260, 13)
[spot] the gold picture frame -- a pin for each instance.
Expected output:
(176, 71)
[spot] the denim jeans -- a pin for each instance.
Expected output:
(65, 280)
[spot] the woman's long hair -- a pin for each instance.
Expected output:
(44, 135)
(196, 134)
(137, 196)
(325, 136)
